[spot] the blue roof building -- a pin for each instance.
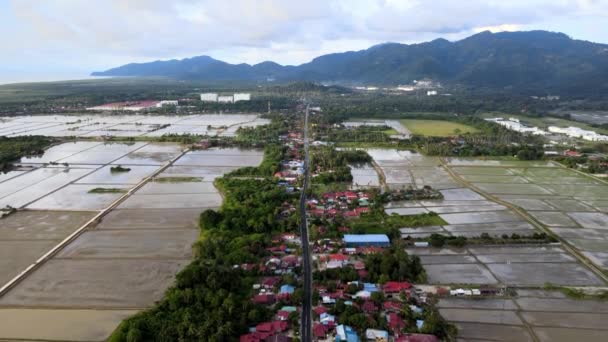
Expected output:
(289, 309)
(370, 287)
(365, 240)
(286, 289)
(344, 333)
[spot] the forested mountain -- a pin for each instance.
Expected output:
(531, 60)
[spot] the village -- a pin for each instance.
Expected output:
(352, 299)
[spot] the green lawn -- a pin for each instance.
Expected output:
(437, 128)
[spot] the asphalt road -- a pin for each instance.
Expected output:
(306, 316)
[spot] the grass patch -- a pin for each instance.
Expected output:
(577, 293)
(437, 128)
(390, 224)
(178, 179)
(107, 191)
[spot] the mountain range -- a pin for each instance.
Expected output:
(517, 60)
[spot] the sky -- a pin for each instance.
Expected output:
(67, 39)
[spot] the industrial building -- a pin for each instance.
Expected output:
(514, 125)
(132, 106)
(576, 132)
(214, 97)
(366, 240)
(225, 99)
(209, 97)
(167, 103)
(242, 97)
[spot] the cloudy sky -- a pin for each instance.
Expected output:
(63, 39)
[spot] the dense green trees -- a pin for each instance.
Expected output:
(11, 149)
(273, 155)
(333, 164)
(207, 303)
(394, 264)
(211, 299)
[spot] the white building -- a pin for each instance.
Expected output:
(514, 125)
(225, 99)
(242, 97)
(405, 88)
(431, 93)
(209, 97)
(167, 103)
(576, 132)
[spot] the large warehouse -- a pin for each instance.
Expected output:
(360, 240)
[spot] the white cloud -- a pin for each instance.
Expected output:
(94, 34)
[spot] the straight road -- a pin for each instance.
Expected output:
(306, 325)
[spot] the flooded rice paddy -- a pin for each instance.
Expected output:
(571, 204)
(403, 169)
(364, 176)
(122, 263)
(509, 265)
(531, 315)
(133, 125)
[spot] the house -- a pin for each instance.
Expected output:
(272, 327)
(287, 289)
(264, 299)
(362, 210)
(344, 333)
(320, 310)
(369, 287)
(393, 287)
(338, 257)
(392, 306)
(571, 153)
(363, 294)
(270, 282)
(327, 319)
(334, 264)
(375, 335)
(395, 323)
(319, 331)
(359, 265)
(362, 240)
(369, 307)
(283, 315)
(328, 300)
(350, 196)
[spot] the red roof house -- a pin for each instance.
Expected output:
(319, 330)
(395, 323)
(338, 257)
(264, 299)
(282, 315)
(396, 286)
(571, 153)
(272, 327)
(392, 306)
(270, 282)
(361, 210)
(369, 307)
(320, 310)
